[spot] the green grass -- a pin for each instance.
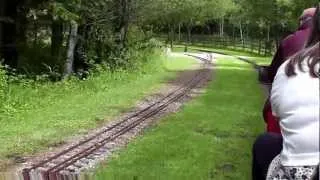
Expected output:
(261, 60)
(210, 138)
(180, 63)
(45, 114)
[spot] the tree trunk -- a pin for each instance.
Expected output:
(121, 22)
(124, 22)
(2, 14)
(268, 33)
(276, 38)
(241, 33)
(98, 50)
(221, 27)
(71, 47)
(247, 33)
(80, 60)
(35, 33)
(189, 33)
(21, 26)
(189, 27)
(188, 38)
(233, 31)
(171, 36)
(179, 32)
(277, 42)
(56, 38)
(259, 51)
(168, 35)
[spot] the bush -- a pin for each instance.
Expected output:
(37, 60)
(7, 107)
(3, 87)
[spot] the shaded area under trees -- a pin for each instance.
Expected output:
(58, 37)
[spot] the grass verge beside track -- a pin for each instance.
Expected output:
(45, 114)
(210, 138)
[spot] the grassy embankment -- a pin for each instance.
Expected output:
(42, 115)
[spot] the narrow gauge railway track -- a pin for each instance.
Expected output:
(260, 69)
(51, 168)
(254, 64)
(206, 61)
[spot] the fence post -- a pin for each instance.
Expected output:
(259, 51)
(267, 48)
(270, 47)
(228, 42)
(251, 43)
(243, 45)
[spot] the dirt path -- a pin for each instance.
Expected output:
(182, 78)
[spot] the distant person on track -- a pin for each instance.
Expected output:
(269, 145)
(288, 47)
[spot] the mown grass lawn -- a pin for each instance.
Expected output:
(45, 114)
(210, 138)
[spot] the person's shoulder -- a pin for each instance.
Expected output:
(290, 36)
(281, 73)
(287, 40)
(283, 66)
(296, 34)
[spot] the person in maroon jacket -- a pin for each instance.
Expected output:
(269, 145)
(288, 47)
(292, 43)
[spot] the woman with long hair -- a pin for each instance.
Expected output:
(295, 103)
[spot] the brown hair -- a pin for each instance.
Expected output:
(311, 52)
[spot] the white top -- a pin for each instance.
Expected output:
(295, 101)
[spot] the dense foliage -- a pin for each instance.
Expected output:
(3, 87)
(60, 37)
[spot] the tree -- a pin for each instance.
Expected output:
(2, 21)
(73, 38)
(218, 9)
(9, 33)
(79, 34)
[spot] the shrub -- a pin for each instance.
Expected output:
(3, 87)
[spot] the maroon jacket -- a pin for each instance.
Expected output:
(288, 47)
